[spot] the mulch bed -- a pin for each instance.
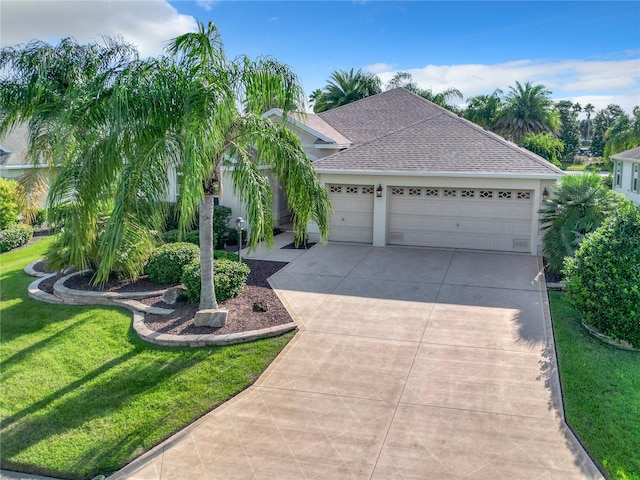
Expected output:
(242, 316)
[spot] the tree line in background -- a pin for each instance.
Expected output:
(526, 114)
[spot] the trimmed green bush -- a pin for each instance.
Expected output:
(229, 279)
(603, 278)
(15, 236)
(8, 205)
(223, 254)
(221, 217)
(173, 236)
(166, 263)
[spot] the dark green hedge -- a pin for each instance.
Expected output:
(603, 279)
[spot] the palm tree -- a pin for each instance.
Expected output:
(484, 110)
(316, 96)
(197, 111)
(588, 109)
(578, 206)
(529, 109)
(624, 134)
(405, 80)
(345, 87)
(37, 89)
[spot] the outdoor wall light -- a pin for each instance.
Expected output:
(239, 225)
(379, 191)
(545, 193)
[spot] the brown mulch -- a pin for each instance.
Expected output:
(242, 316)
(116, 285)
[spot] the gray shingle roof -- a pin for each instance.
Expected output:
(633, 154)
(398, 131)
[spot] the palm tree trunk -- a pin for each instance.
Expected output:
(207, 287)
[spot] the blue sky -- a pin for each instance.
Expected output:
(583, 51)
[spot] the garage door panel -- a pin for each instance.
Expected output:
(352, 220)
(464, 218)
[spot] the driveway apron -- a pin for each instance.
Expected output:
(410, 363)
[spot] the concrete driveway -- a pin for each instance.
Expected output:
(410, 363)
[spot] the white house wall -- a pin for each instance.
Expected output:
(380, 207)
(625, 183)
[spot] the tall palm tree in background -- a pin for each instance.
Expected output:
(528, 109)
(588, 109)
(624, 134)
(484, 110)
(196, 111)
(345, 87)
(443, 98)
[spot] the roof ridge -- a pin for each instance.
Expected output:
(359, 100)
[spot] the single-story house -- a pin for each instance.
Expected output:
(626, 173)
(401, 170)
(14, 161)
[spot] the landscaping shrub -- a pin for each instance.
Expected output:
(38, 217)
(67, 251)
(166, 263)
(603, 278)
(223, 254)
(578, 206)
(8, 204)
(15, 236)
(229, 279)
(173, 236)
(221, 217)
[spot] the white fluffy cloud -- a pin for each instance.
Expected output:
(598, 82)
(145, 23)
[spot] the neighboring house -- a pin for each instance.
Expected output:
(401, 170)
(626, 173)
(13, 153)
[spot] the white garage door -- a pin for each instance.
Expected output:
(483, 219)
(352, 220)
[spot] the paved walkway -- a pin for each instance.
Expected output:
(409, 364)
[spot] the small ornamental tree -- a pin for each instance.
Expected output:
(8, 204)
(603, 278)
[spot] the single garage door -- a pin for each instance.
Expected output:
(352, 220)
(482, 219)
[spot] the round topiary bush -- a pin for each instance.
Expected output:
(15, 236)
(603, 278)
(166, 263)
(229, 279)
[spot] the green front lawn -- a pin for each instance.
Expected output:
(82, 395)
(601, 389)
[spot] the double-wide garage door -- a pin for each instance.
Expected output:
(483, 219)
(474, 218)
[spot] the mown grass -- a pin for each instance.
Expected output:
(601, 389)
(82, 395)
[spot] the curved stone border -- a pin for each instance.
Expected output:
(621, 344)
(555, 286)
(166, 339)
(66, 295)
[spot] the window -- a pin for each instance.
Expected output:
(486, 194)
(367, 190)
(335, 189)
(467, 193)
(449, 193)
(415, 192)
(635, 182)
(431, 192)
(618, 173)
(352, 190)
(397, 191)
(524, 195)
(504, 195)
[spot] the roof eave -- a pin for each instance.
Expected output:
(539, 176)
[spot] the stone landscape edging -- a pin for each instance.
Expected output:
(68, 296)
